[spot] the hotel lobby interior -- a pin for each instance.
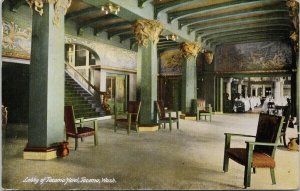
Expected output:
(150, 94)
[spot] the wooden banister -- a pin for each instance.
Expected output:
(103, 102)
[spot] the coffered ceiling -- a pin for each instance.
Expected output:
(210, 22)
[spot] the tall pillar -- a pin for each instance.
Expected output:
(263, 93)
(221, 95)
(246, 91)
(277, 89)
(189, 77)
(228, 88)
(282, 87)
(147, 67)
(240, 86)
(46, 80)
(256, 91)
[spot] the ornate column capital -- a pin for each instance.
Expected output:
(147, 30)
(58, 6)
(190, 49)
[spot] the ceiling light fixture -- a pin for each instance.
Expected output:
(110, 8)
(172, 37)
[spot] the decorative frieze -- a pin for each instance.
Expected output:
(190, 49)
(147, 30)
(58, 6)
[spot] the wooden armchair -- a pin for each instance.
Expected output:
(203, 110)
(132, 116)
(286, 112)
(162, 118)
(257, 154)
(78, 132)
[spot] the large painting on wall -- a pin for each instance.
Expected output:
(171, 62)
(16, 40)
(254, 57)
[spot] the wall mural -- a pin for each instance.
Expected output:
(253, 57)
(16, 40)
(17, 44)
(171, 62)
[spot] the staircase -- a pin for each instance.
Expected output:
(84, 104)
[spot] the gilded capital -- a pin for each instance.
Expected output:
(190, 49)
(147, 30)
(58, 6)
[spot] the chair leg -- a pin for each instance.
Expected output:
(254, 170)
(272, 171)
(96, 133)
(210, 118)
(177, 123)
(76, 143)
(170, 125)
(115, 129)
(225, 162)
(284, 141)
(164, 125)
(247, 175)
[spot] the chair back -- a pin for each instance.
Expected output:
(134, 107)
(69, 119)
(286, 112)
(268, 131)
(160, 108)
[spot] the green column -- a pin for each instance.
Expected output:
(298, 93)
(189, 84)
(46, 102)
(221, 95)
(147, 80)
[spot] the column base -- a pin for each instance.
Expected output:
(42, 153)
(148, 127)
(187, 117)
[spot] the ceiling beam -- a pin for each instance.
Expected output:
(246, 36)
(229, 24)
(220, 6)
(98, 30)
(171, 5)
(126, 37)
(248, 40)
(207, 39)
(246, 12)
(92, 22)
(250, 27)
(119, 32)
(167, 43)
(141, 2)
(82, 12)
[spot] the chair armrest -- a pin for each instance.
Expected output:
(261, 143)
(229, 135)
(82, 121)
(238, 135)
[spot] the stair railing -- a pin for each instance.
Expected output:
(96, 91)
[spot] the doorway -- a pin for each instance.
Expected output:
(117, 89)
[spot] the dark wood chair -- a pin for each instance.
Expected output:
(257, 154)
(203, 110)
(132, 116)
(163, 118)
(286, 112)
(81, 131)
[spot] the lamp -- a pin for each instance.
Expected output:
(172, 37)
(110, 8)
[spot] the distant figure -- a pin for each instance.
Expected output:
(70, 55)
